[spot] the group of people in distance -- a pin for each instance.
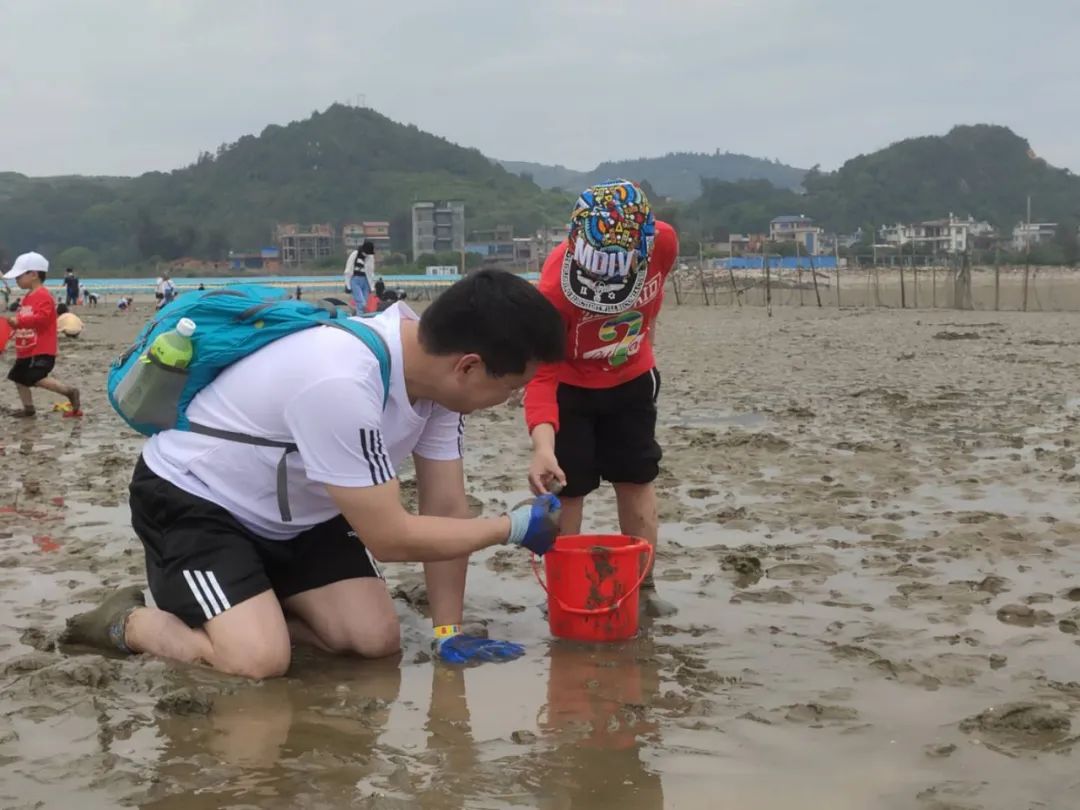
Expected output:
(236, 582)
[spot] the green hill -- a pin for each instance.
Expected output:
(677, 175)
(983, 171)
(340, 165)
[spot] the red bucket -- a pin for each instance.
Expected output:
(593, 581)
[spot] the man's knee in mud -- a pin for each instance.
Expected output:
(256, 660)
(365, 638)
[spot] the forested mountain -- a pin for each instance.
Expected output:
(982, 171)
(677, 175)
(349, 163)
(344, 164)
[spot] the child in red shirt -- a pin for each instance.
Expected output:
(592, 416)
(35, 336)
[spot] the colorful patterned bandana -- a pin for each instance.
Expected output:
(611, 239)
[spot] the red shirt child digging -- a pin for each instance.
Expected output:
(592, 416)
(34, 328)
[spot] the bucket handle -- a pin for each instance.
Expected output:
(595, 611)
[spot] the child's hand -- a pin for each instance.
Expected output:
(545, 474)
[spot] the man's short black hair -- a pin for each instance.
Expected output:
(497, 315)
(41, 274)
(61, 309)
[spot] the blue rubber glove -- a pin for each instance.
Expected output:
(535, 525)
(462, 649)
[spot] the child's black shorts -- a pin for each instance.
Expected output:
(200, 561)
(29, 371)
(608, 433)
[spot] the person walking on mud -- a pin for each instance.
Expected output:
(592, 415)
(241, 566)
(71, 287)
(35, 332)
(359, 272)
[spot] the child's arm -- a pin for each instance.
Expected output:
(39, 315)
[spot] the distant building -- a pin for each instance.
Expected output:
(949, 235)
(799, 229)
(303, 244)
(438, 227)
(353, 235)
(496, 245)
(523, 252)
(1032, 233)
(546, 240)
(743, 243)
(268, 259)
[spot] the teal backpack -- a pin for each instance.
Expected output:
(231, 323)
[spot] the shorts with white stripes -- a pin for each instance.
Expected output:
(200, 561)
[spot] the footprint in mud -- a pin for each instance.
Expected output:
(699, 493)
(747, 567)
(820, 567)
(818, 715)
(1038, 726)
(1023, 616)
(184, 702)
(775, 595)
(961, 594)
(1070, 622)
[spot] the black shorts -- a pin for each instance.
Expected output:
(29, 371)
(608, 433)
(200, 560)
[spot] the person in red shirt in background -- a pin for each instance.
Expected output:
(592, 416)
(35, 336)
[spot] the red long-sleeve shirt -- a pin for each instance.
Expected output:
(602, 350)
(35, 325)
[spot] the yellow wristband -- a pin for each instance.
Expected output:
(447, 630)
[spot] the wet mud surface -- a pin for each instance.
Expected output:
(870, 526)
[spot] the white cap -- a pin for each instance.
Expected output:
(185, 327)
(28, 263)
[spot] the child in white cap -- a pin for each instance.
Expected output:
(35, 335)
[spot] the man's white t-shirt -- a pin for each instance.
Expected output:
(322, 390)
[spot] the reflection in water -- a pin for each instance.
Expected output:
(285, 743)
(313, 740)
(598, 717)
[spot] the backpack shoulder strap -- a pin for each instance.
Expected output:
(375, 342)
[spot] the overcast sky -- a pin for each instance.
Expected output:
(126, 86)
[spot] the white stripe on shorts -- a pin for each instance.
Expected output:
(217, 590)
(198, 594)
(200, 577)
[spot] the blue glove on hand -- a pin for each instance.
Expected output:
(468, 649)
(535, 525)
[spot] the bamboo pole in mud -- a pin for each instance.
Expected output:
(903, 300)
(768, 285)
(997, 279)
(915, 289)
(813, 275)
(836, 255)
(734, 290)
(1027, 253)
(701, 273)
(798, 271)
(675, 287)
(933, 286)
